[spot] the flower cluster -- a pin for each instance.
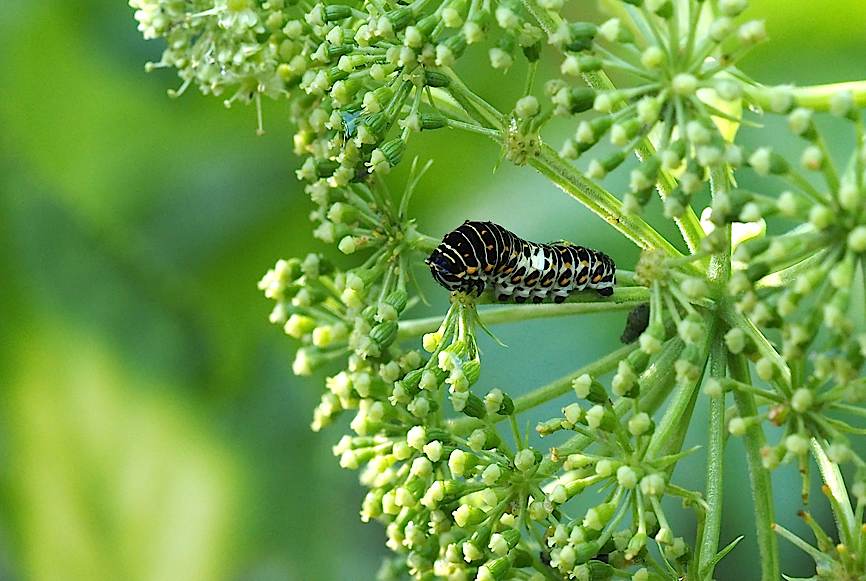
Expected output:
(629, 458)
(362, 79)
(453, 503)
(681, 97)
(845, 559)
(772, 286)
(797, 289)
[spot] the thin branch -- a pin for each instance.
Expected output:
(759, 476)
(577, 304)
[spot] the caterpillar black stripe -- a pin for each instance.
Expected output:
(477, 254)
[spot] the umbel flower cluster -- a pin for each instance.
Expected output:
(757, 313)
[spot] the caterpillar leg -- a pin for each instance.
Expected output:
(606, 291)
(502, 292)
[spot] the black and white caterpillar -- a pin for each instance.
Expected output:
(477, 254)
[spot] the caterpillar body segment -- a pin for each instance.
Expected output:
(476, 255)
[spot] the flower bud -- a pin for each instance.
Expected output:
(384, 333)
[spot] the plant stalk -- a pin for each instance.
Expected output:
(601, 202)
(553, 389)
(718, 273)
(579, 304)
(816, 97)
(759, 477)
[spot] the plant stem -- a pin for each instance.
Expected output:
(600, 201)
(548, 21)
(475, 106)
(689, 225)
(493, 134)
(553, 389)
(421, 242)
(816, 97)
(715, 462)
(622, 299)
(563, 385)
(564, 175)
(671, 431)
(759, 477)
(718, 273)
(735, 319)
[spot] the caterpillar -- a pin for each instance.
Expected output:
(477, 254)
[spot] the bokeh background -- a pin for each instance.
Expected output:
(150, 427)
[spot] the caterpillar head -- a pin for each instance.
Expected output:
(442, 270)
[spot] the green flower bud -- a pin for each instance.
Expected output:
(384, 333)
(436, 79)
(580, 36)
(399, 18)
(397, 299)
(494, 570)
(532, 52)
(429, 121)
(334, 12)
(474, 407)
(472, 371)
(767, 162)
(468, 515)
(599, 169)
(548, 427)
(623, 132)
(393, 151)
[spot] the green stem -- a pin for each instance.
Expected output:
(689, 225)
(759, 477)
(553, 389)
(475, 106)
(718, 273)
(656, 383)
(787, 276)
(735, 319)
(564, 384)
(564, 175)
(578, 304)
(548, 21)
(493, 134)
(816, 97)
(598, 200)
(715, 463)
(421, 242)
(671, 431)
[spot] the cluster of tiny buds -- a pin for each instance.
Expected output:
(680, 96)
(801, 284)
(459, 501)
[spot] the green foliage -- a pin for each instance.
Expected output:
(133, 227)
(459, 499)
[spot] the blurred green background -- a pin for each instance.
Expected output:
(149, 424)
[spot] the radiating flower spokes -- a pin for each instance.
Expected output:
(459, 498)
